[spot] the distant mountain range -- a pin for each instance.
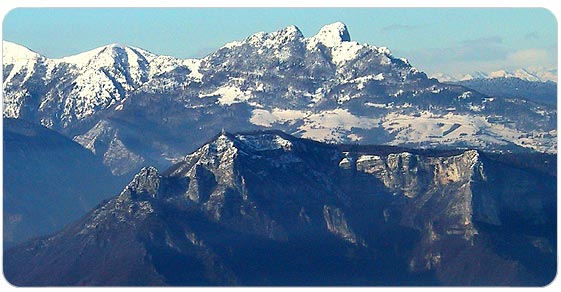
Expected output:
(536, 74)
(538, 84)
(269, 209)
(510, 87)
(133, 108)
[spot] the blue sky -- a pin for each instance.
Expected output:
(451, 40)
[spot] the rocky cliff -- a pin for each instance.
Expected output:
(266, 208)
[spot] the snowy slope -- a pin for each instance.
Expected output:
(19, 66)
(77, 87)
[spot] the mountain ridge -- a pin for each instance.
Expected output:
(325, 87)
(533, 74)
(384, 218)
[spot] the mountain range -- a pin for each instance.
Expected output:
(133, 108)
(542, 92)
(534, 74)
(269, 209)
(335, 163)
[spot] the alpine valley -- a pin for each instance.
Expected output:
(49, 181)
(335, 163)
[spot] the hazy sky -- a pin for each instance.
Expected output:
(451, 40)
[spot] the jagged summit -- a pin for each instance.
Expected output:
(333, 34)
(145, 183)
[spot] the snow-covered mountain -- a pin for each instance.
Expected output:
(64, 91)
(534, 74)
(269, 209)
(135, 108)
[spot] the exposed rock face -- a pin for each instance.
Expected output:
(266, 208)
(337, 223)
(419, 178)
(105, 138)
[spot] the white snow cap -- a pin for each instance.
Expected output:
(333, 34)
(106, 55)
(12, 53)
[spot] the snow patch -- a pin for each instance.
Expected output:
(265, 118)
(428, 129)
(232, 44)
(368, 158)
(379, 105)
(265, 142)
(14, 53)
(464, 95)
(361, 81)
(345, 51)
(229, 95)
(194, 65)
(332, 125)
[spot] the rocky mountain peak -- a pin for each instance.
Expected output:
(333, 34)
(223, 142)
(147, 182)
